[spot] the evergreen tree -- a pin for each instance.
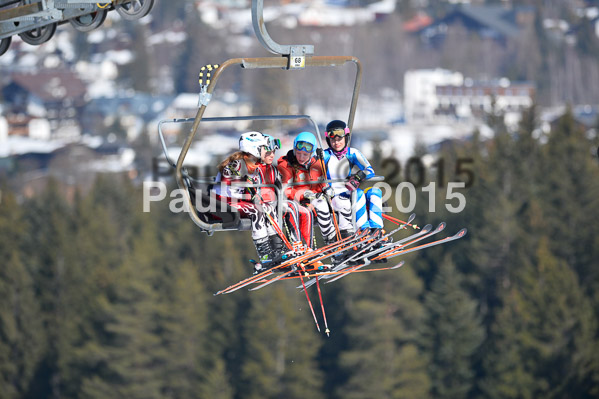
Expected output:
(281, 347)
(21, 337)
(452, 334)
(216, 383)
(140, 70)
(570, 196)
(191, 368)
(543, 339)
(382, 359)
(57, 279)
(490, 218)
(130, 359)
(98, 253)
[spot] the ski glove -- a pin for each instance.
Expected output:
(354, 181)
(309, 194)
(329, 192)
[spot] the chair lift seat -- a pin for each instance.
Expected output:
(230, 218)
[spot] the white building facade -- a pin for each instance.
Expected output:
(442, 96)
(420, 92)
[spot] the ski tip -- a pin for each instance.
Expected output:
(400, 264)
(461, 233)
(427, 228)
(412, 217)
(441, 226)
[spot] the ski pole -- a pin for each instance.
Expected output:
(324, 316)
(303, 270)
(399, 221)
(273, 222)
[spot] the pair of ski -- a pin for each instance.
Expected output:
(297, 263)
(293, 266)
(362, 243)
(367, 248)
(364, 252)
(386, 252)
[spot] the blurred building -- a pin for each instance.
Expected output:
(495, 22)
(475, 99)
(44, 104)
(442, 96)
(420, 92)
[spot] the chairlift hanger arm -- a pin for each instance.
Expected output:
(289, 50)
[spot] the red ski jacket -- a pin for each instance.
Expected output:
(292, 172)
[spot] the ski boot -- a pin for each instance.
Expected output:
(348, 253)
(377, 233)
(328, 241)
(270, 253)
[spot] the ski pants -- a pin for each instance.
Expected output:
(342, 205)
(367, 207)
(321, 208)
(300, 219)
(252, 211)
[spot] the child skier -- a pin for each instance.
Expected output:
(299, 217)
(243, 167)
(347, 163)
(300, 165)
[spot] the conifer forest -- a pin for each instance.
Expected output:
(99, 299)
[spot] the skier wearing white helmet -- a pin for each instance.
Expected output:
(243, 167)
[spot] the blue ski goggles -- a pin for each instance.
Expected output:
(304, 146)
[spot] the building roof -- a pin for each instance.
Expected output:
(497, 21)
(416, 23)
(51, 84)
(494, 17)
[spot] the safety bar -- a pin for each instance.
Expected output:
(234, 118)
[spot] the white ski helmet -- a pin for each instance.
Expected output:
(251, 142)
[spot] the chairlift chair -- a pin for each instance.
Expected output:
(293, 57)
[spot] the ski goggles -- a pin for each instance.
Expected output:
(304, 146)
(273, 144)
(338, 132)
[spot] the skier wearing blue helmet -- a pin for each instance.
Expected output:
(349, 164)
(300, 165)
